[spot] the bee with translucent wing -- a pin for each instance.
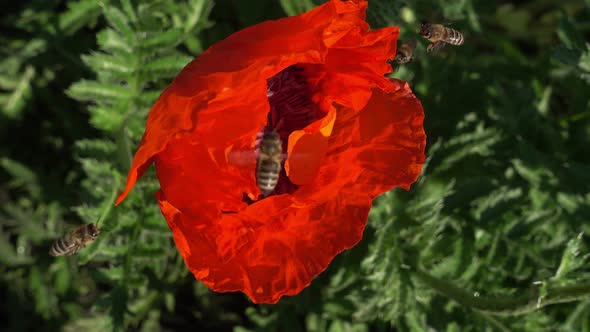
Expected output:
(75, 240)
(268, 163)
(438, 35)
(405, 52)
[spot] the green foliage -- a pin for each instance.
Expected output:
(296, 7)
(493, 234)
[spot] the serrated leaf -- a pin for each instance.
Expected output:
(129, 11)
(43, 299)
(106, 119)
(91, 90)
(62, 277)
(168, 64)
(296, 7)
(495, 204)
(100, 62)
(198, 12)
(478, 142)
(14, 102)
(571, 259)
(110, 40)
(9, 256)
(94, 147)
(111, 274)
(150, 251)
(79, 14)
(142, 305)
(568, 34)
(148, 97)
(340, 308)
(96, 323)
(162, 41)
(584, 62)
(22, 177)
(120, 23)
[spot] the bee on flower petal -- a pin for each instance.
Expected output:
(269, 161)
(405, 52)
(75, 240)
(438, 35)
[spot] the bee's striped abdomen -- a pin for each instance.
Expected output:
(267, 174)
(63, 247)
(454, 37)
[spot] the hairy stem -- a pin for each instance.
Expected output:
(123, 147)
(110, 203)
(532, 299)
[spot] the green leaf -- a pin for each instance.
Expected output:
(571, 259)
(149, 251)
(95, 323)
(110, 40)
(198, 12)
(168, 66)
(566, 55)
(14, 103)
(584, 64)
(106, 119)
(79, 14)
(100, 62)
(296, 7)
(94, 147)
(568, 34)
(44, 300)
(22, 177)
(91, 91)
(9, 256)
(62, 277)
(119, 299)
(120, 23)
(494, 205)
(162, 41)
(112, 274)
(129, 11)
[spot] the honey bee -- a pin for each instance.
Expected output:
(268, 162)
(438, 35)
(75, 240)
(405, 51)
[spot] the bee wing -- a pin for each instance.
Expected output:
(242, 157)
(435, 47)
(74, 250)
(296, 156)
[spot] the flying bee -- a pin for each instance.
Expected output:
(405, 52)
(268, 162)
(75, 240)
(438, 35)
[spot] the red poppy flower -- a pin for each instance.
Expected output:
(348, 132)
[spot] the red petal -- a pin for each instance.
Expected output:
(230, 77)
(370, 141)
(307, 148)
(268, 257)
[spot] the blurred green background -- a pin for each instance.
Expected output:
(500, 218)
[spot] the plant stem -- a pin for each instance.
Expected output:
(110, 203)
(530, 300)
(123, 147)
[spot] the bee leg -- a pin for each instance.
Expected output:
(435, 47)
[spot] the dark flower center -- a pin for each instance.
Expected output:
(291, 109)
